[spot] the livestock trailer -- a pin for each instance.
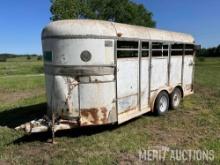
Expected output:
(100, 72)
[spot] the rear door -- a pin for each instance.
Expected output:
(176, 61)
(188, 67)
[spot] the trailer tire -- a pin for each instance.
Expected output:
(161, 104)
(175, 98)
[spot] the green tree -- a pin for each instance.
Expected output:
(39, 58)
(3, 59)
(65, 9)
(28, 57)
(123, 11)
(209, 52)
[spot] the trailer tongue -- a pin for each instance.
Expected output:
(44, 125)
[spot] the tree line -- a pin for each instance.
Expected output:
(5, 56)
(209, 52)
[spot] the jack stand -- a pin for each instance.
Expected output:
(52, 128)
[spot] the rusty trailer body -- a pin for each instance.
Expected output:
(100, 72)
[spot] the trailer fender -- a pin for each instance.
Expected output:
(155, 94)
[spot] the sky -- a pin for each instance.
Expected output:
(200, 18)
(21, 22)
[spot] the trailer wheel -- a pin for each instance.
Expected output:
(175, 98)
(161, 104)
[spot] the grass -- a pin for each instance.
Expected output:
(21, 83)
(195, 125)
(21, 66)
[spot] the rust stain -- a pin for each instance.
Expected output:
(94, 116)
(71, 84)
(119, 34)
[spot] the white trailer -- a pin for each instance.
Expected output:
(100, 72)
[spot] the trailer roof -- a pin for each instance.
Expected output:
(104, 29)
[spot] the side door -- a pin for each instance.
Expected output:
(159, 66)
(127, 76)
(144, 75)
